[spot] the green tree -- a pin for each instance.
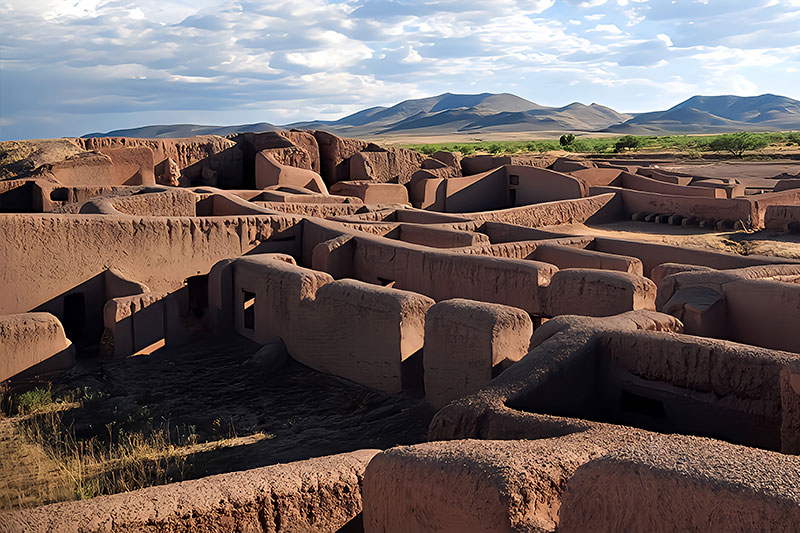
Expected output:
(738, 143)
(566, 139)
(628, 142)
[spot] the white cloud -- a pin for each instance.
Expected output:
(117, 63)
(664, 37)
(608, 28)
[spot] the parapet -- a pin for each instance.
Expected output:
(321, 494)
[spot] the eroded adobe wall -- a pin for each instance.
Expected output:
(47, 256)
(321, 494)
(537, 185)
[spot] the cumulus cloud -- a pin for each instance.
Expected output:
(74, 66)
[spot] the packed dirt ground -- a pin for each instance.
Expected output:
(201, 409)
(762, 242)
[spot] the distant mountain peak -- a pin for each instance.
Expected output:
(449, 113)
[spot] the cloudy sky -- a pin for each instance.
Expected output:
(76, 66)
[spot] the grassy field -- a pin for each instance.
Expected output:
(688, 145)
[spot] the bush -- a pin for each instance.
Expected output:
(566, 140)
(628, 142)
(738, 143)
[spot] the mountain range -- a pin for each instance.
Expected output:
(486, 112)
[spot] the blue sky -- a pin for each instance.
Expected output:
(77, 66)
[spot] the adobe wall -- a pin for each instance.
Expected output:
(557, 376)
(160, 252)
(705, 386)
(467, 343)
(34, 342)
(320, 494)
(153, 201)
(596, 209)
(372, 193)
(682, 484)
(560, 483)
(589, 292)
(598, 177)
(131, 165)
(642, 183)
(390, 165)
(440, 237)
(762, 202)
(574, 257)
(782, 217)
(652, 255)
(481, 192)
(440, 275)
(192, 154)
(751, 305)
(538, 185)
(764, 313)
(322, 322)
(706, 208)
(790, 408)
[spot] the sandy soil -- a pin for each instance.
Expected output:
(763, 242)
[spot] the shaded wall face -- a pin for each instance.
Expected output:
(764, 313)
(533, 186)
(671, 384)
(484, 192)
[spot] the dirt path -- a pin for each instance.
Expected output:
(763, 242)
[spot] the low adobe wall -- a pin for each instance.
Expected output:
(321, 494)
(158, 251)
(703, 208)
(561, 483)
(322, 322)
(642, 183)
(34, 342)
(532, 185)
(372, 193)
(151, 201)
(594, 209)
(752, 305)
(440, 237)
(467, 343)
(631, 370)
(782, 217)
(680, 484)
(438, 274)
(654, 254)
(590, 292)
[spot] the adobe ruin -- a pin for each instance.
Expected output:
(576, 379)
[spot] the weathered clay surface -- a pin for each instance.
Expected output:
(320, 494)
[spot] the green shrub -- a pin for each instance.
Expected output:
(628, 142)
(738, 143)
(566, 139)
